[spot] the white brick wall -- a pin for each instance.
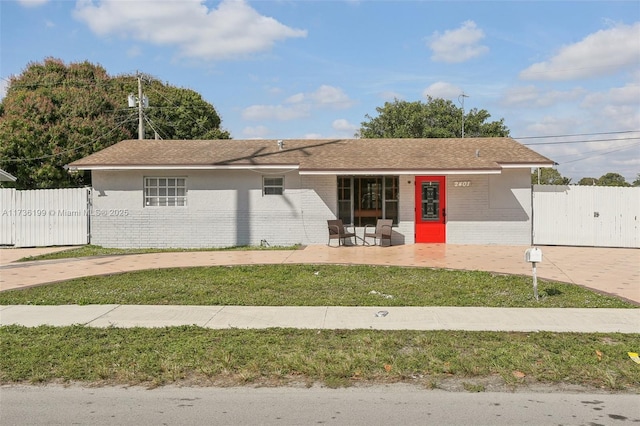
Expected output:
(215, 216)
(404, 232)
(487, 212)
(495, 209)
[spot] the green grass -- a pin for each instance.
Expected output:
(204, 357)
(312, 285)
(198, 356)
(91, 250)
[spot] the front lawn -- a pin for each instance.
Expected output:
(453, 360)
(312, 285)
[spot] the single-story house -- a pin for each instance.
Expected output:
(220, 193)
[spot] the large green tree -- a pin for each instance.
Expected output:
(435, 118)
(548, 176)
(54, 113)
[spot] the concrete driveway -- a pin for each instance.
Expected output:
(613, 271)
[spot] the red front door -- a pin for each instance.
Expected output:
(431, 221)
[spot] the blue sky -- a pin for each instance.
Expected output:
(282, 69)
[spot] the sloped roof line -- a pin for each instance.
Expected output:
(6, 176)
(326, 154)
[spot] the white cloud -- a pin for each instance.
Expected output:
(627, 95)
(232, 30)
(295, 99)
(274, 91)
(275, 112)
(312, 136)
(257, 132)
(299, 105)
(552, 125)
(458, 45)
(532, 97)
(342, 125)
(442, 90)
(330, 96)
(602, 53)
(32, 3)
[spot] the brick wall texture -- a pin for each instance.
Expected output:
(490, 209)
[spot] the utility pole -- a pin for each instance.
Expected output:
(142, 102)
(461, 100)
(140, 105)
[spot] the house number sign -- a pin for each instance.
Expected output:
(462, 183)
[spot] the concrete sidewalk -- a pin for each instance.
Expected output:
(330, 317)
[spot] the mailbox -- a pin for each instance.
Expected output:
(533, 254)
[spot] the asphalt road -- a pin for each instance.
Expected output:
(379, 405)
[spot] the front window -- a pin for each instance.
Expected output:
(165, 191)
(272, 185)
(364, 200)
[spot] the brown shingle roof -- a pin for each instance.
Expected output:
(340, 155)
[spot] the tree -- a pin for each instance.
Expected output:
(588, 181)
(437, 118)
(174, 113)
(55, 113)
(549, 176)
(612, 179)
(636, 182)
(609, 179)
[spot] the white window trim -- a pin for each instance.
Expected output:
(177, 200)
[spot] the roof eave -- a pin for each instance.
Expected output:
(116, 167)
(402, 172)
(6, 176)
(531, 165)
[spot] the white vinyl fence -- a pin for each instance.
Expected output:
(44, 217)
(593, 216)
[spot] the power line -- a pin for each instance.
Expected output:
(576, 134)
(195, 120)
(599, 153)
(582, 141)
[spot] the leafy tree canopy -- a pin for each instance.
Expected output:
(54, 113)
(549, 176)
(636, 182)
(588, 181)
(436, 118)
(612, 179)
(608, 179)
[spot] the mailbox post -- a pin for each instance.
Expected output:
(533, 255)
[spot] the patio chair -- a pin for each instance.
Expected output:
(337, 231)
(382, 231)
